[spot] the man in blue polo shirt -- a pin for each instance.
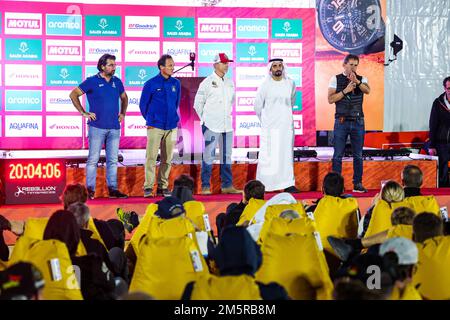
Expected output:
(103, 92)
(159, 104)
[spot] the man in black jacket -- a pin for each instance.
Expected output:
(440, 132)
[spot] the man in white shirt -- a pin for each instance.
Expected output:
(273, 106)
(214, 104)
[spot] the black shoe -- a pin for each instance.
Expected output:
(292, 189)
(163, 192)
(359, 188)
(4, 223)
(340, 247)
(148, 193)
(116, 194)
(91, 194)
(130, 219)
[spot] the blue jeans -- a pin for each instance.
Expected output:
(225, 140)
(98, 137)
(356, 131)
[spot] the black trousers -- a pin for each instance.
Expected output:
(442, 151)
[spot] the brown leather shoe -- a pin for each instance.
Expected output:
(231, 190)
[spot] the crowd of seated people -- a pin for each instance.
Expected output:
(269, 249)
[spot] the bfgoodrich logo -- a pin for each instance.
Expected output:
(58, 101)
(219, 28)
(95, 49)
(23, 126)
(142, 26)
(64, 50)
(248, 77)
(23, 23)
(63, 24)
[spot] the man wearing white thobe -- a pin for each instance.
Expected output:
(273, 106)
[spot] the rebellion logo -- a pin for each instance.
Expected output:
(64, 50)
(34, 190)
(34, 24)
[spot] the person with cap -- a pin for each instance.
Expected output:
(347, 91)
(238, 258)
(400, 255)
(214, 104)
(273, 106)
(170, 207)
(159, 103)
(21, 281)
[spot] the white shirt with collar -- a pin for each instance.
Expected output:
(214, 103)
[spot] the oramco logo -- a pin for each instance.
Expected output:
(23, 100)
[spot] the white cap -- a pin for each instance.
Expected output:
(405, 249)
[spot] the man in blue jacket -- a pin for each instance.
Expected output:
(159, 104)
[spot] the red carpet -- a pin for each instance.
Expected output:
(104, 208)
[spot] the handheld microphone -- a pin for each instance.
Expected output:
(192, 58)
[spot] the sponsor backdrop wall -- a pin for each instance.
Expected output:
(47, 49)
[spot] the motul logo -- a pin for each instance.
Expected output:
(64, 50)
(246, 101)
(215, 27)
(286, 53)
(23, 23)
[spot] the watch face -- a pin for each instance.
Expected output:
(349, 25)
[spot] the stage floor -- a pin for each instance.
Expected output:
(104, 208)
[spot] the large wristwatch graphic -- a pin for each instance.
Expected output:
(354, 26)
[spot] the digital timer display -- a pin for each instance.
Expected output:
(34, 171)
(32, 180)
